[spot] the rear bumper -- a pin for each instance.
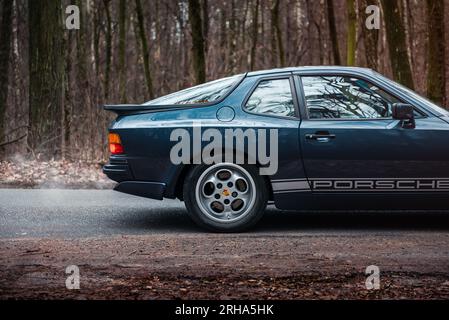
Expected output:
(118, 170)
(152, 190)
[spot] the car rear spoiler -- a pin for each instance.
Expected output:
(128, 109)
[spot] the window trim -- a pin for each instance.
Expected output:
(305, 109)
(293, 91)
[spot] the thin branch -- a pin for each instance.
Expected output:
(12, 131)
(13, 141)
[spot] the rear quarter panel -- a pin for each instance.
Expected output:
(146, 137)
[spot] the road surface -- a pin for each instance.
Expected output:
(133, 248)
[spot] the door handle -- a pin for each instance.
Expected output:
(321, 136)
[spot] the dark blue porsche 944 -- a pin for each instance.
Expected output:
(301, 138)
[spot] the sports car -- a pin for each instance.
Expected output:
(305, 138)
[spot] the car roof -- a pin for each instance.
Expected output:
(311, 68)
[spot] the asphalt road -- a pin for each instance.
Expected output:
(93, 213)
(133, 248)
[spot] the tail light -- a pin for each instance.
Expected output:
(115, 144)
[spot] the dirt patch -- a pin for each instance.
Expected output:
(226, 267)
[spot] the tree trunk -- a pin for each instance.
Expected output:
(232, 41)
(396, 43)
(108, 36)
(352, 34)
(82, 52)
(333, 32)
(205, 9)
(122, 51)
(436, 51)
(371, 40)
(46, 66)
(277, 45)
(255, 34)
(67, 107)
(145, 49)
(97, 20)
(5, 49)
(199, 61)
(223, 42)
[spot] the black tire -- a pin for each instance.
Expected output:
(252, 213)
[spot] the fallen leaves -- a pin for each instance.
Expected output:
(52, 174)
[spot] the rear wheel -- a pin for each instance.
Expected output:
(225, 197)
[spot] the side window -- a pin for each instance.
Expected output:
(339, 97)
(272, 97)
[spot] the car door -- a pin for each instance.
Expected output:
(271, 104)
(351, 143)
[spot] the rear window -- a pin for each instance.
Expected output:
(202, 94)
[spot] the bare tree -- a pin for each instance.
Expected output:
(205, 10)
(145, 49)
(122, 50)
(108, 49)
(371, 40)
(333, 32)
(232, 38)
(255, 32)
(46, 74)
(397, 46)
(199, 61)
(5, 49)
(352, 33)
(277, 44)
(436, 51)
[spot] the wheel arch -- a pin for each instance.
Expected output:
(182, 172)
